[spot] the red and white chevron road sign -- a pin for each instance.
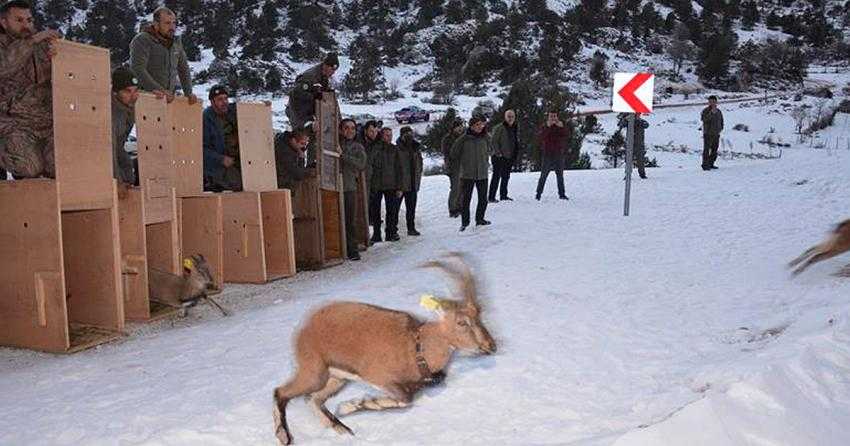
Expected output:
(633, 92)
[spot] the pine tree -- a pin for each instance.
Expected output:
(111, 25)
(680, 49)
(365, 77)
(263, 40)
(599, 69)
(308, 30)
(433, 138)
(428, 11)
(615, 148)
(749, 14)
(715, 55)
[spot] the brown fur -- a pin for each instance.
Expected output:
(180, 291)
(837, 243)
(378, 346)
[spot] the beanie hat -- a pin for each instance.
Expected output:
(217, 90)
(331, 60)
(123, 78)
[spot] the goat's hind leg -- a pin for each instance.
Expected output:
(309, 379)
(814, 259)
(803, 256)
(399, 398)
(317, 403)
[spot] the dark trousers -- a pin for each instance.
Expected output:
(454, 193)
(410, 208)
(710, 144)
(466, 191)
(2, 175)
(351, 232)
(640, 162)
(392, 205)
(501, 174)
(549, 163)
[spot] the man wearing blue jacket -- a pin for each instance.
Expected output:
(221, 143)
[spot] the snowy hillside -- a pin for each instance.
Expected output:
(677, 325)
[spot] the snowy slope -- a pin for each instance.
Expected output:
(677, 325)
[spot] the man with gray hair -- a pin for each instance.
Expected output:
(158, 59)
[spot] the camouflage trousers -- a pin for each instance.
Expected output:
(26, 153)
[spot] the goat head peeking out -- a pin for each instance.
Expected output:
(390, 350)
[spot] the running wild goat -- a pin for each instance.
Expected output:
(390, 350)
(186, 290)
(837, 243)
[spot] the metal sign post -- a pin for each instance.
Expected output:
(630, 150)
(632, 94)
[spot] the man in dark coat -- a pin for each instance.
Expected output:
(410, 164)
(552, 141)
(452, 168)
(308, 88)
(505, 142)
(290, 153)
(472, 154)
(354, 160)
(221, 143)
(385, 184)
(712, 125)
(639, 141)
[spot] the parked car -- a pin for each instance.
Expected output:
(412, 114)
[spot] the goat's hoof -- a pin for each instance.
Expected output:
(283, 436)
(347, 408)
(342, 429)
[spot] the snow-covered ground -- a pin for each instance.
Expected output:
(677, 325)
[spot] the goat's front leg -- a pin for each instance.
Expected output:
(398, 398)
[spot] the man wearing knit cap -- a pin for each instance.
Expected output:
(125, 93)
(308, 88)
(26, 110)
(221, 143)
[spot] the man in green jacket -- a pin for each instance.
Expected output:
(385, 183)
(158, 58)
(505, 147)
(353, 159)
(712, 125)
(410, 164)
(308, 88)
(452, 170)
(472, 153)
(125, 93)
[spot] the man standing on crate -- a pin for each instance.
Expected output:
(158, 59)
(221, 143)
(307, 89)
(26, 110)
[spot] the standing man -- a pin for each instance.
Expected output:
(505, 147)
(290, 153)
(386, 184)
(221, 143)
(472, 152)
(712, 125)
(158, 58)
(354, 160)
(452, 168)
(125, 93)
(410, 164)
(26, 102)
(639, 140)
(553, 137)
(307, 89)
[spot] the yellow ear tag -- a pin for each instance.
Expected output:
(188, 264)
(430, 302)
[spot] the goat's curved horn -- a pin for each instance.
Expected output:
(460, 273)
